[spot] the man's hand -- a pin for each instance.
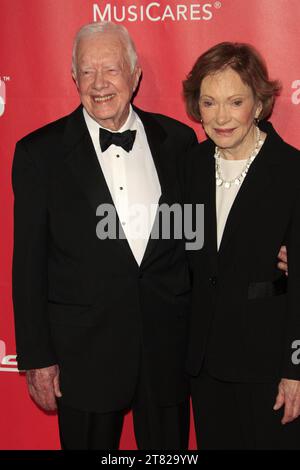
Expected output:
(43, 386)
(289, 396)
(283, 263)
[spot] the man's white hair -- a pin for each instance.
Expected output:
(105, 27)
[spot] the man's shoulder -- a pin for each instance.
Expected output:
(170, 121)
(51, 131)
(204, 150)
(200, 158)
(167, 122)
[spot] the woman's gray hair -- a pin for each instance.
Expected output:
(106, 27)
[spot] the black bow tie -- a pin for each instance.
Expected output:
(122, 139)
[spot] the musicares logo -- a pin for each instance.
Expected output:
(154, 11)
(2, 97)
(7, 363)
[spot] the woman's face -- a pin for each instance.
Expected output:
(228, 108)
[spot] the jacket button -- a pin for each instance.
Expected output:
(213, 280)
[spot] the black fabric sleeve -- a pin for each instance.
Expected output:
(33, 336)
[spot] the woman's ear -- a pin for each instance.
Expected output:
(258, 111)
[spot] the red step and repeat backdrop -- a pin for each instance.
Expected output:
(36, 87)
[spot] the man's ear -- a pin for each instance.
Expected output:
(136, 77)
(74, 78)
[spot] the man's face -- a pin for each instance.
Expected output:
(104, 80)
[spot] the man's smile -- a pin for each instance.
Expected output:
(101, 99)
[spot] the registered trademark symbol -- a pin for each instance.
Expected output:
(217, 5)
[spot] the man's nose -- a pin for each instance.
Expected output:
(100, 80)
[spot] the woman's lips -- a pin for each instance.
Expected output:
(224, 132)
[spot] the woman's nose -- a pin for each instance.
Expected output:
(222, 115)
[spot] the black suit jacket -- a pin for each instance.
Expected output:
(82, 302)
(245, 314)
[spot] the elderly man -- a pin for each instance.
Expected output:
(101, 321)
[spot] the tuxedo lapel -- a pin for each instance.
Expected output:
(84, 166)
(155, 137)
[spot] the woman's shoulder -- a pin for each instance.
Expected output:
(289, 157)
(292, 151)
(277, 143)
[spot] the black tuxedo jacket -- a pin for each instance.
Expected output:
(246, 315)
(82, 302)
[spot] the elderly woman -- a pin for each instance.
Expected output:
(245, 325)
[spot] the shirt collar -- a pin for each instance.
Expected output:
(130, 123)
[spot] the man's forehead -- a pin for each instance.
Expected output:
(109, 41)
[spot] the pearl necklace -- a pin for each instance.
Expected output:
(239, 179)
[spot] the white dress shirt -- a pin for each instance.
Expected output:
(132, 181)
